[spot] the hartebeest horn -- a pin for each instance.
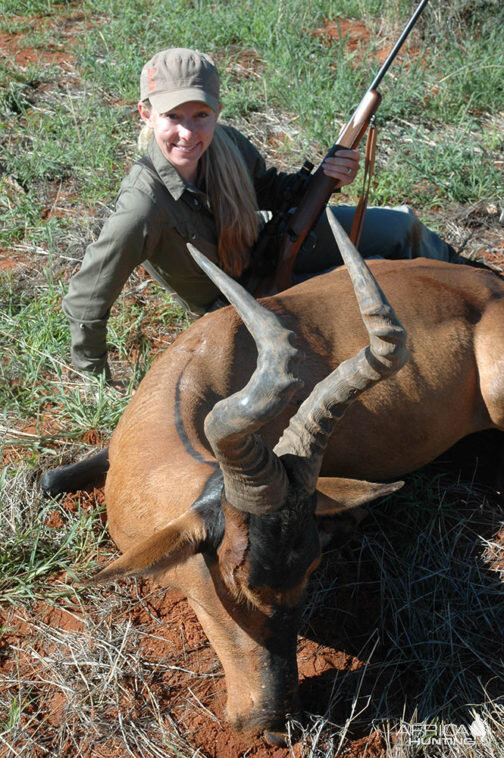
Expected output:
(255, 480)
(308, 432)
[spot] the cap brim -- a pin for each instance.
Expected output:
(166, 101)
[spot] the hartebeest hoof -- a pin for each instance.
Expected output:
(276, 739)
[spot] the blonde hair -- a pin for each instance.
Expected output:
(232, 197)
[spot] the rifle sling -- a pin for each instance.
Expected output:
(358, 222)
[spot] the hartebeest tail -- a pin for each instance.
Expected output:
(75, 476)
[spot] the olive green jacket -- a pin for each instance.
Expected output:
(155, 216)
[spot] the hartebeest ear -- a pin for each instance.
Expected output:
(335, 495)
(167, 548)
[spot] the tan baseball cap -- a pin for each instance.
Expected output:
(177, 76)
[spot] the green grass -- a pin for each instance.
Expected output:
(34, 554)
(439, 169)
(453, 90)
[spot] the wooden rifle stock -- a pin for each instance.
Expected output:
(321, 188)
(311, 206)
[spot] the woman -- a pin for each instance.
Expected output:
(205, 183)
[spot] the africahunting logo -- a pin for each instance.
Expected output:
(441, 735)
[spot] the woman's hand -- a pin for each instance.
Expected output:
(343, 166)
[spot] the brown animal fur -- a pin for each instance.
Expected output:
(160, 460)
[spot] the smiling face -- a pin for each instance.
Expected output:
(182, 134)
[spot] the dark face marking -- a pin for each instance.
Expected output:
(283, 544)
(279, 670)
(280, 547)
(262, 567)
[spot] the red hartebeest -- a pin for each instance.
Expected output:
(227, 453)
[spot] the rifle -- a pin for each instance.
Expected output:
(295, 227)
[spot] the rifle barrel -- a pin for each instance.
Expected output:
(409, 26)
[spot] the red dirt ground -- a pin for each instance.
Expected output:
(195, 702)
(174, 636)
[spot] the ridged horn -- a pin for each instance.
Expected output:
(304, 441)
(255, 480)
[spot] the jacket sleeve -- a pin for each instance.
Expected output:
(125, 241)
